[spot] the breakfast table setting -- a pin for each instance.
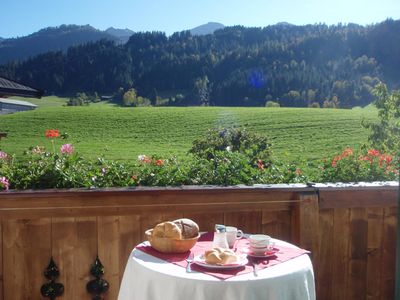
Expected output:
(179, 262)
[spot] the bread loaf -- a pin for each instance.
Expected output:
(167, 230)
(188, 228)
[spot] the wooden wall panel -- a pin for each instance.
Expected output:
(358, 253)
(248, 222)
(108, 246)
(325, 263)
(26, 254)
(351, 232)
(64, 251)
(389, 253)
(374, 252)
(277, 224)
(206, 221)
(340, 257)
(129, 235)
(85, 254)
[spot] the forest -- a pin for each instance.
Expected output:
(286, 65)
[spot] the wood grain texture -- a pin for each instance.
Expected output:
(86, 251)
(340, 255)
(64, 248)
(207, 221)
(389, 253)
(129, 237)
(249, 222)
(359, 197)
(350, 231)
(324, 258)
(358, 253)
(26, 254)
(374, 252)
(277, 224)
(307, 227)
(108, 246)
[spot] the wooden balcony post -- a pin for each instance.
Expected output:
(305, 222)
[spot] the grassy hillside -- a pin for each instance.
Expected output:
(124, 133)
(48, 101)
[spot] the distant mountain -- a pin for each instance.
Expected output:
(284, 24)
(1, 39)
(208, 28)
(50, 39)
(122, 34)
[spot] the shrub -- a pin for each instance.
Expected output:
(253, 146)
(272, 104)
(363, 165)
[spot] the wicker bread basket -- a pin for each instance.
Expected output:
(168, 245)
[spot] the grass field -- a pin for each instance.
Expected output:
(124, 133)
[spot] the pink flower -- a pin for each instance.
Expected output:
(3, 155)
(67, 149)
(4, 183)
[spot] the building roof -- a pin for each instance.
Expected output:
(12, 88)
(16, 102)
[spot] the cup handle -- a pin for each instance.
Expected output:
(271, 245)
(239, 234)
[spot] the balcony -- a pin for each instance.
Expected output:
(350, 231)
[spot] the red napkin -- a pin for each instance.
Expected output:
(205, 242)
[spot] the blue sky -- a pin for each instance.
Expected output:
(22, 17)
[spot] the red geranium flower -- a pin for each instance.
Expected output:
(52, 133)
(373, 152)
(159, 162)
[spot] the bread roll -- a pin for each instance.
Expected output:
(188, 228)
(167, 230)
(219, 256)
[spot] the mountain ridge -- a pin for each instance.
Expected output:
(48, 39)
(208, 28)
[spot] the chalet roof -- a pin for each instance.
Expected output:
(16, 102)
(12, 88)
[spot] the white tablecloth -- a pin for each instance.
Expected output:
(149, 278)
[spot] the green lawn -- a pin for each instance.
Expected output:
(124, 133)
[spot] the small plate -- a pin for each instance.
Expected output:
(199, 260)
(268, 253)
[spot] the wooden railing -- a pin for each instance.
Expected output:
(350, 231)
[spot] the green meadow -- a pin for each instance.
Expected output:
(123, 133)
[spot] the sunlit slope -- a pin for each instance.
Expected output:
(124, 133)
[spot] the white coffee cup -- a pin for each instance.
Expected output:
(233, 234)
(260, 243)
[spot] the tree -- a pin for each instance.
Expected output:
(385, 134)
(129, 97)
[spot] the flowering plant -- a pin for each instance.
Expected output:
(4, 184)
(361, 165)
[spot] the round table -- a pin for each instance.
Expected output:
(149, 278)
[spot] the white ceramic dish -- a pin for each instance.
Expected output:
(199, 260)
